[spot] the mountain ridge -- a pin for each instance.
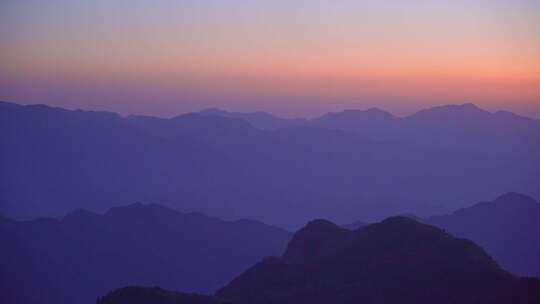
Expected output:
(226, 167)
(84, 254)
(507, 227)
(398, 260)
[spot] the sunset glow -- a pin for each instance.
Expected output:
(409, 53)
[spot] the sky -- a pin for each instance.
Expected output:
(289, 57)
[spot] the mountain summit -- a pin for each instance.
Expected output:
(398, 260)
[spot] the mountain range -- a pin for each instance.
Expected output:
(398, 260)
(464, 125)
(84, 255)
(508, 228)
(236, 165)
(259, 120)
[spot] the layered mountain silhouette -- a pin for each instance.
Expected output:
(397, 260)
(465, 126)
(55, 160)
(508, 228)
(84, 255)
(374, 164)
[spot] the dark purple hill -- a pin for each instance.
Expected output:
(397, 260)
(84, 255)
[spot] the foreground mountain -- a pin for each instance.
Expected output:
(398, 260)
(54, 160)
(84, 255)
(156, 295)
(508, 228)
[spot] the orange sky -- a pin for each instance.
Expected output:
(487, 52)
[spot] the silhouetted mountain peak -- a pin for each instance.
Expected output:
(470, 106)
(400, 220)
(404, 229)
(515, 203)
(213, 111)
(372, 113)
(506, 204)
(372, 123)
(394, 261)
(460, 112)
(313, 240)
(316, 230)
(261, 120)
(462, 108)
(380, 112)
(466, 108)
(412, 216)
(319, 224)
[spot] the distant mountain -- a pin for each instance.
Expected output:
(84, 255)
(396, 261)
(55, 160)
(508, 228)
(373, 123)
(469, 126)
(260, 120)
(451, 114)
(156, 295)
(465, 126)
(229, 135)
(204, 126)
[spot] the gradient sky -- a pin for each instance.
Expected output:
(295, 58)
